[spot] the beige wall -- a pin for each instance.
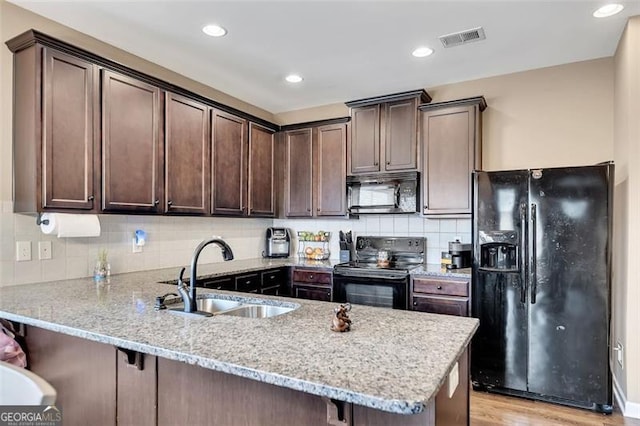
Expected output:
(626, 296)
(554, 116)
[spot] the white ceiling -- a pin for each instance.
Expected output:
(345, 50)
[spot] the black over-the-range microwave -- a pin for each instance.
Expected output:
(383, 193)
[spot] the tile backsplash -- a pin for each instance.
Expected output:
(171, 241)
(438, 232)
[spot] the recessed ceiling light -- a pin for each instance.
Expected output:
(608, 10)
(293, 78)
(214, 30)
(421, 52)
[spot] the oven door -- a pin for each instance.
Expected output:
(371, 290)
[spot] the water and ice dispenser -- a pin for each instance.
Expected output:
(499, 251)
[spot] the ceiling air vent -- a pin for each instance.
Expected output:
(462, 37)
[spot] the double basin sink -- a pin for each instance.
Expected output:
(209, 304)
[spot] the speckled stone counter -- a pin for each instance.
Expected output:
(433, 270)
(391, 360)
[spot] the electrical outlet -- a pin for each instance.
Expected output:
(454, 379)
(619, 350)
(134, 247)
(23, 251)
(44, 250)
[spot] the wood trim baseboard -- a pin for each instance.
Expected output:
(628, 408)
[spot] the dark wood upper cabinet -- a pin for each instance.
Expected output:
(229, 164)
(298, 173)
(187, 156)
(315, 171)
(261, 182)
(365, 139)
(131, 153)
(384, 133)
(331, 170)
(452, 141)
(55, 132)
(400, 135)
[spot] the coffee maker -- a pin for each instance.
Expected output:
(278, 242)
(460, 255)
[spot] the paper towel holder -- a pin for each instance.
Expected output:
(39, 220)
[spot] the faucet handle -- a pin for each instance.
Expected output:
(181, 276)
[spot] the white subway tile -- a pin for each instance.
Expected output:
(416, 224)
(432, 225)
(6, 273)
(54, 269)
(386, 225)
(372, 224)
(433, 256)
(27, 272)
(433, 240)
(77, 267)
(400, 225)
(463, 225)
(447, 225)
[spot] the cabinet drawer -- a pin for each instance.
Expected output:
(442, 305)
(249, 283)
(222, 283)
(312, 292)
(309, 276)
(273, 277)
(441, 286)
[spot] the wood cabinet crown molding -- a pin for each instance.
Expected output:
(476, 100)
(317, 123)
(32, 37)
(421, 93)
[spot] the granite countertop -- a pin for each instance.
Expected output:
(391, 360)
(433, 270)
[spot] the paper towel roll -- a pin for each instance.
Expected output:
(68, 225)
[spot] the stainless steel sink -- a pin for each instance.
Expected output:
(208, 306)
(258, 311)
(214, 306)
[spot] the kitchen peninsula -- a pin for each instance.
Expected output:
(138, 365)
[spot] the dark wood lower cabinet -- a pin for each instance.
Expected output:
(137, 397)
(311, 292)
(82, 372)
(100, 384)
(442, 305)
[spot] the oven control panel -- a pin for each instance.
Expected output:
(391, 244)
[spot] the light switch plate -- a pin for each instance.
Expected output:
(23, 251)
(454, 378)
(44, 250)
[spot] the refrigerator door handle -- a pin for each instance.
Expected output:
(534, 278)
(523, 253)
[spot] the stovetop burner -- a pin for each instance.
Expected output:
(391, 266)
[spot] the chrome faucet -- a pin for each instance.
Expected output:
(188, 294)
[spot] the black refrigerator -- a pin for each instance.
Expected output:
(541, 284)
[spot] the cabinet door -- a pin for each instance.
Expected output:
(248, 283)
(312, 292)
(229, 164)
(187, 163)
(442, 305)
(82, 372)
(299, 171)
(364, 149)
(68, 132)
(400, 135)
(261, 183)
(131, 154)
(450, 157)
(331, 170)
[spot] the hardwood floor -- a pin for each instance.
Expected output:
(497, 410)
